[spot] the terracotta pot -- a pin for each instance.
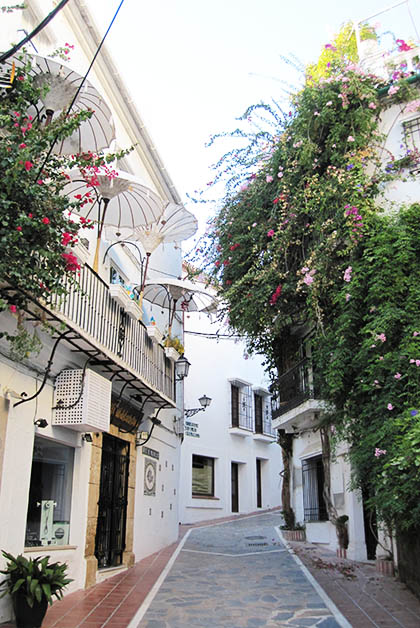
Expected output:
(27, 617)
(385, 567)
(294, 535)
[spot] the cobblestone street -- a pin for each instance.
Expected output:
(238, 574)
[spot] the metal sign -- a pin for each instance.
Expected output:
(152, 453)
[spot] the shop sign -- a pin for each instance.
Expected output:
(125, 415)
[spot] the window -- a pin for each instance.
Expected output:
(258, 409)
(48, 520)
(411, 130)
(241, 415)
(202, 476)
(313, 486)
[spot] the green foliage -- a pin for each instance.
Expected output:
(37, 578)
(299, 242)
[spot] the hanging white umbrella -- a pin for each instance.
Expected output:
(116, 201)
(178, 295)
(94, 134)
(174, 225)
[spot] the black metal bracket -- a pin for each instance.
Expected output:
(47, 371)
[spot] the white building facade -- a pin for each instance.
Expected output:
(98, 491)
(230, 461)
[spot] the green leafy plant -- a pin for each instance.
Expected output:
(35, 578)
(175, 343)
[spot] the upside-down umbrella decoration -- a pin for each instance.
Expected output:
(175, 224)
(114, 200)
(179, 295)
(94, 134)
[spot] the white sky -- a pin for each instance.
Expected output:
(192, 66)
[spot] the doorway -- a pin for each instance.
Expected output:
(235, 486)
(112, 505)
(259, 484)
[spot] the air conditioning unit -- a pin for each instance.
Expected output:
(93, 409)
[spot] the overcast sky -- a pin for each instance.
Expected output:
(192, 66)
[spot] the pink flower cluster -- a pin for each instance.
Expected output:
(379, 452)
(347, 274)
(72, 263)
(308, 275)
(356, 221)
(276, 294)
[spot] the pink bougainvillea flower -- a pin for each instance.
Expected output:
(316, 113)
(381, 337)
(417, 362)
(412, 361)
(390, 406)
(347, 274)
(379, 452)
(28, 165)
(416, 333)
(254, 224)
(18, 228)
(393, 90)
(13, 309)
(308, 279)
(329, 103)
(372, 105)
(46, 220)
(348, 297)
(397, 375)
(280, 174)
(72, 263)
(269, 178)
(270, 233)
(30, 215)
(40, 182)
(381, 357)
(350, 138)
(23, 145)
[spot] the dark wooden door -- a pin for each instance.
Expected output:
(112, 505)
(235, 487)
(259, 487)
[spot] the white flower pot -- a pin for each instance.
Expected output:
(171, 353)
(154, 333)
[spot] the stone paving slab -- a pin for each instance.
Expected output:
(237, 574)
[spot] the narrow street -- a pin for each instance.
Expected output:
(239, 573)
(236, 574)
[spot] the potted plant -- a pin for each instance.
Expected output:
(32, 583)
(173, 348)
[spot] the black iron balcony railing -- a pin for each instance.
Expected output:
(99, 318)
(293, 388)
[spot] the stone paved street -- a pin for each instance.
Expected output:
(237, 574)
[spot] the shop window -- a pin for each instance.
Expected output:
(202, 476)
(48, 521)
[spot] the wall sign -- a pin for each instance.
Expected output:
(149, 477)
(191, 429)
(150, 452)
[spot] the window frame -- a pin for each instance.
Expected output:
(211, 492)
(314, 506)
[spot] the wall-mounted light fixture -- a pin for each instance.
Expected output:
(87, 438)
(204, 401)
(41, 423)
(182, 366)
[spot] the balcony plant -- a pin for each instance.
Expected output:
(38, 229)
(173, 348)
(32, 583)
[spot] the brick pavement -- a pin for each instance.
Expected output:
(368, 599)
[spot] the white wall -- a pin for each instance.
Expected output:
(212, 363)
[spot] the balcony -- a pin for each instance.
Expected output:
(294, 398)
(96, 324)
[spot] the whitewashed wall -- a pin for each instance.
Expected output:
(212, 364)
